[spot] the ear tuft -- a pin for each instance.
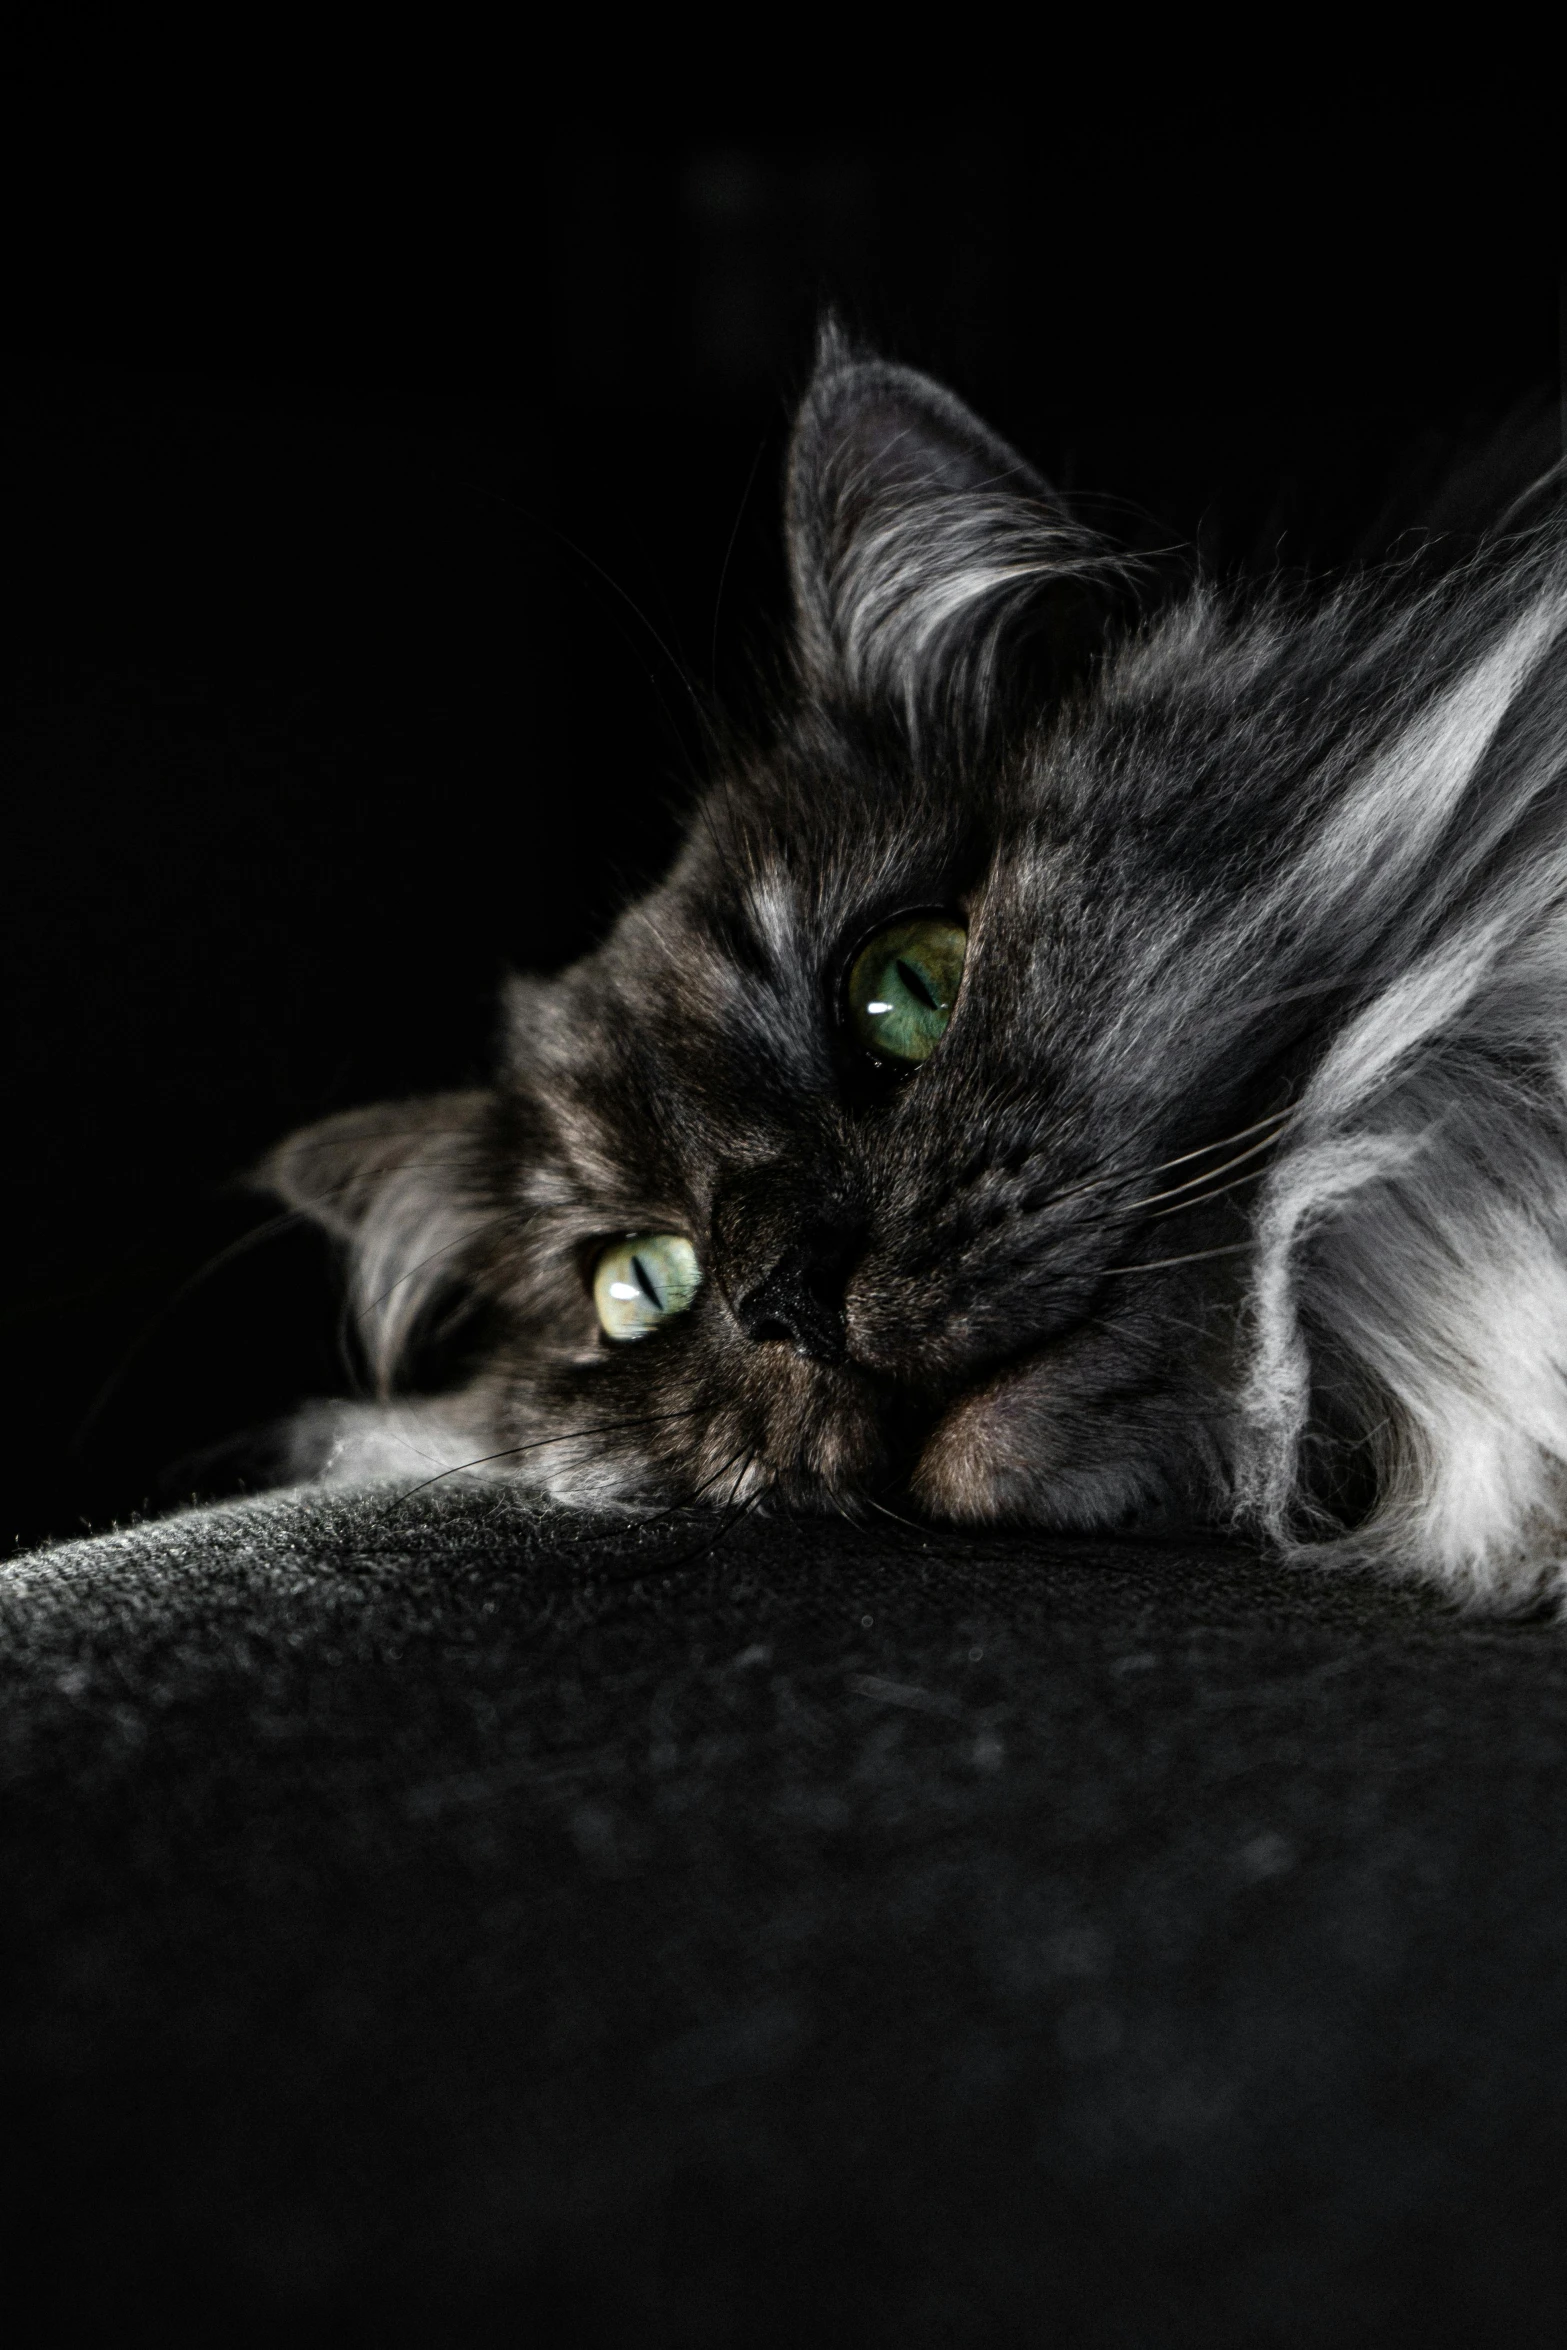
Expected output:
(915, 534)
(405, 1185)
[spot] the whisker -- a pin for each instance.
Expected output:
(1200, 1198)
(746, 1464)
(704, 718)
(567, 1436)
(723, 575)
(150, 1329)
(1119, 1216)
(671, 1509)
(946, 1543)
(1192, 1181)
(840, 1504)
(731, 1518)
(1197, 1256)
(896, 1515)
(1197, 1198)
(1278, 1121)
(746, 1468)
(1277, 1118)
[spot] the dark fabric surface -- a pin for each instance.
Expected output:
(455, 1921)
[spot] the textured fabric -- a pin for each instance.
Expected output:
(448, 1920)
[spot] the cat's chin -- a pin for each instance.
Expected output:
(1019, 1451)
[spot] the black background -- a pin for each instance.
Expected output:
(369, 546)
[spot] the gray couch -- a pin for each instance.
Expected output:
(451, 1920)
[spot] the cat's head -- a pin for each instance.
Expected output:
(881, 1151)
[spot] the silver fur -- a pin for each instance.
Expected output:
(1238, 1187)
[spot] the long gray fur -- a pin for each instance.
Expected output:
(1237, 1189)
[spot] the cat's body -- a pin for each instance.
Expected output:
(1234, 1185)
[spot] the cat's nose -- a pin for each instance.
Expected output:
(786, 1237)
(800, 1298)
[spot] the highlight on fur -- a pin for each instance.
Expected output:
(1235, 1190)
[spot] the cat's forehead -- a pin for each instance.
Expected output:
(710, 1024)
(783, 868)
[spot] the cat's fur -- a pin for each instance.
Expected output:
(1237, 1188)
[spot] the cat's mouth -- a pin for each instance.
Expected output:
(969, 1453)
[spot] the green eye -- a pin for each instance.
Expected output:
(640, 1282)
(903, 985)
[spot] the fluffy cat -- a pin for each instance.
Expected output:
(1086, 1067)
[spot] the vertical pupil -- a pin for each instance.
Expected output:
(644, 1281)
(916, 984)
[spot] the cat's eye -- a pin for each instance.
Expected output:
(902, 986)
(640, 1282)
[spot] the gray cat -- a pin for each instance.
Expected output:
(1087, 1067)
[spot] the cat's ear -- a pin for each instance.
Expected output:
(915, 536)
(407, 1186)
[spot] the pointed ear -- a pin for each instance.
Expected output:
(406, 1186)
(915, 535)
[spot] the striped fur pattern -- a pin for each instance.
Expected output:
(1236, 1191)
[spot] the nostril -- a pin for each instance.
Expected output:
(769, 1328)
(800, 1301)
(782, 1308)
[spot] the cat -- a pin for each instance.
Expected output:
(1099, 1060)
